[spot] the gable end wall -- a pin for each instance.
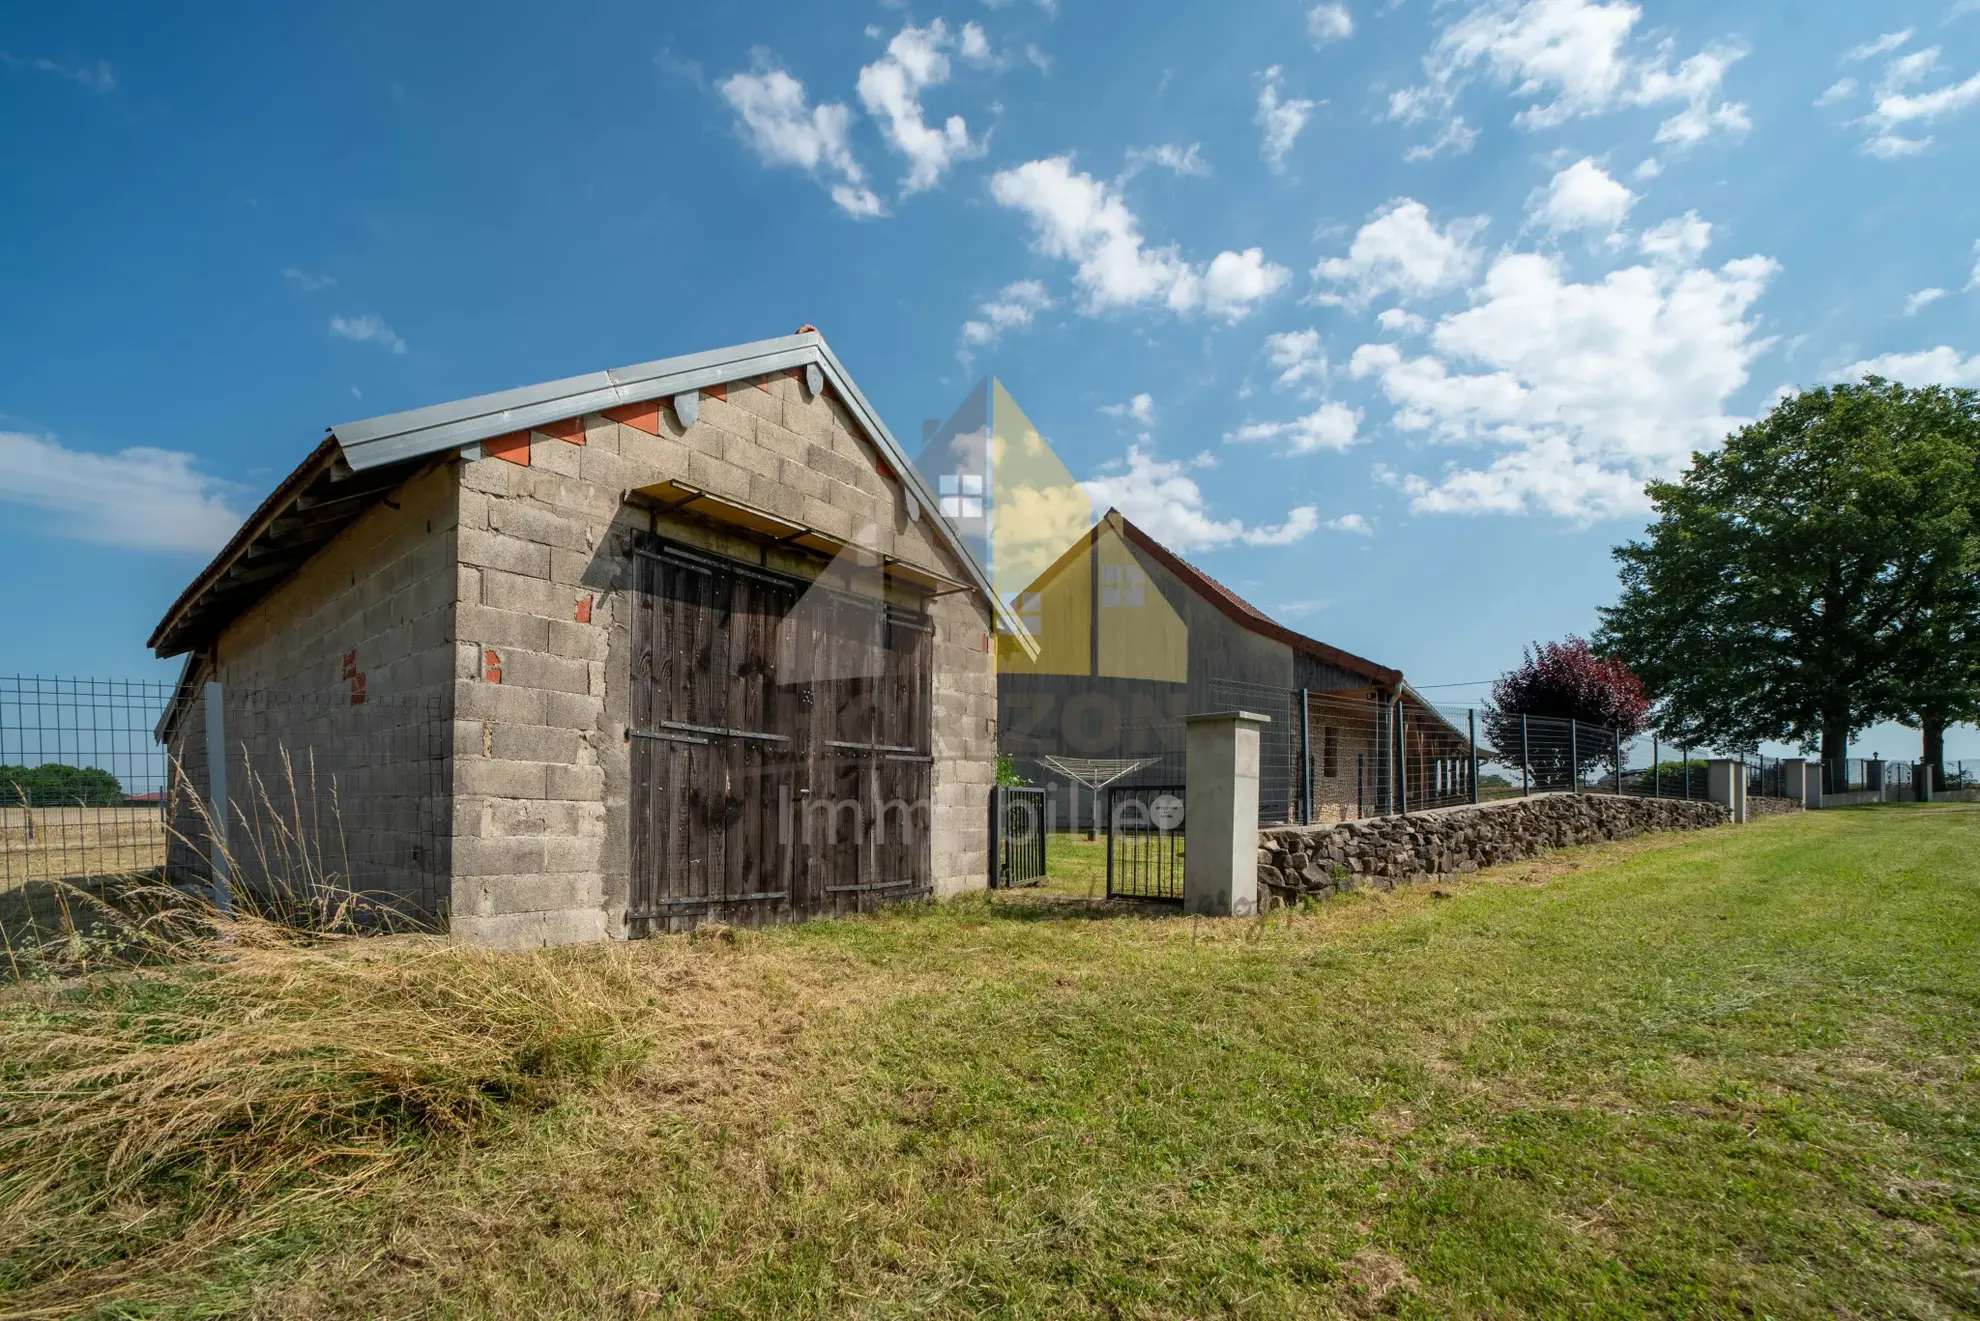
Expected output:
(542, 771)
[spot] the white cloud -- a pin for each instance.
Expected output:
(1329, 22)
(1894, 110)
(1168, 504)
(1696, 82)
(1883, 45)
(1282, 119)
(1014, 308)
(1455, 136)
(974, 45)
(97, 77)
(1237, 281)
(1974, 283)
(367, 329)
(1299, 357)
(1354, 523)
(1939, 366)
(1569, 59)
(1401, 250)
(306, 282)
(141, 498)
(1680, 241)
(1085, 221)
(1894, 146)
(1922, 299)
(785, 130)
(1170, 156)
(1585, 390)
(1839, 90)
(890, 88)
(1909, 70)
(1333, 427)
(1395, 319)
(1141, 408)
(1583, 196)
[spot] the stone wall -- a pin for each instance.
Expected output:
(542, 770)
(1299, 861)
(1766, 805)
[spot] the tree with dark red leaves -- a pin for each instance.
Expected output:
(1563, 681)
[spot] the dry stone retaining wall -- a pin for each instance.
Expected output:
(1770, 805)
(1319, 861)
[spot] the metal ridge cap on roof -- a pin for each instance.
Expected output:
(1247, 615)
(395, 436)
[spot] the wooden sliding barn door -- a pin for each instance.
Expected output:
(780, 755)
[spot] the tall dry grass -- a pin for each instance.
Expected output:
(147, 1113)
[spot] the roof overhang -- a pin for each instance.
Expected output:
(321, 498)
(359, 462)
(762, 525)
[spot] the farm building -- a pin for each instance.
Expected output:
(1131, 639)
(599, 658)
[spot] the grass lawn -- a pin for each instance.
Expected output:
(1728, 1074)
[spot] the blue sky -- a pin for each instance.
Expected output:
(1380, 312)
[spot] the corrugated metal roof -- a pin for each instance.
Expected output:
(396, 439)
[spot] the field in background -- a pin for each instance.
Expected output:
(1719, 1074)
(48, 843)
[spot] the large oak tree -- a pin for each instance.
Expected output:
(1814, 576)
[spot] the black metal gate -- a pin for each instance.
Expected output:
(1017, 836)
(780, 746)
(1145, 839)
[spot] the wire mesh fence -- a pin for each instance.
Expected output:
(317, 799)
(83, 780)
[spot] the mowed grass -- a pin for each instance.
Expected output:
(1727, 1074)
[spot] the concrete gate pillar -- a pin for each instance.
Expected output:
(1725, 782)
(1220, 860)
(1803, 780)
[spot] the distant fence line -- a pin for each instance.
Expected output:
(102, 777)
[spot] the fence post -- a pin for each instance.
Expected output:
(1525, 761)
(1574, 753)
(1305, 760)
(1656, 770)
(1220, 864)
(1685, 753)
(218, 858)
(1110, 827)
(1402, 763)
(1471, 725)
(1725, 782)
(996, 834)
(1617, 735)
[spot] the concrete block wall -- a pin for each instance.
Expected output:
(542, 767)
(338, 692)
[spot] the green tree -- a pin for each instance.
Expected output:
(1935, 654)
(52, 784)
(1779, 593)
